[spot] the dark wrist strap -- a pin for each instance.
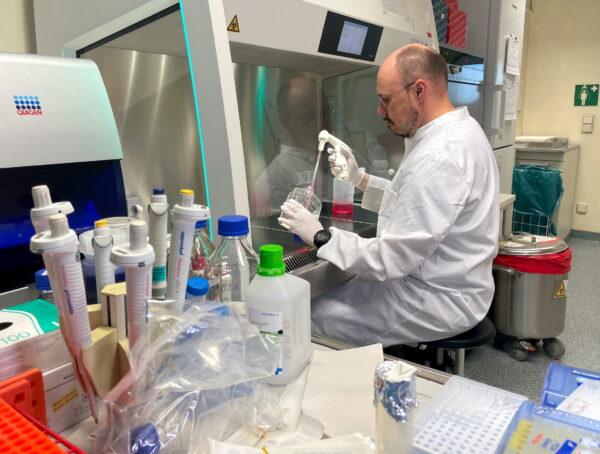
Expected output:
(321, 238)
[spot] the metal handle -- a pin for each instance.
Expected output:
(489, 128)
(504, 269)
(533, 163)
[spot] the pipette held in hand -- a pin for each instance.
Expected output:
(340, 160)
(184, 216)
(137, 259)
(59, 246)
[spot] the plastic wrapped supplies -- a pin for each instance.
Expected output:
(347, 444)
(197, 380)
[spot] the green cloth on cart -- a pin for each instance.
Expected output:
(538, 191)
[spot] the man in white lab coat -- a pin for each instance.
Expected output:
(427, 274)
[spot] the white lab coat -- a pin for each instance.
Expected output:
(427, 275)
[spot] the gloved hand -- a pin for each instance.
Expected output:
(300, 221)
(355, 173)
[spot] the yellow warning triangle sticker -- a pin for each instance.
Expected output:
(234, 25)
(561, 292)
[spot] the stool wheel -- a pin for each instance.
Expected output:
(553, 348)
(517, 351)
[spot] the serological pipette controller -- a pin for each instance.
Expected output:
(102, 242)
(158, 217)
(340, 161)
(137, 259)
(184, 216)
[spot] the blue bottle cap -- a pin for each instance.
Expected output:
(197, 286)
(201, 224)
(42, 282)
(145, 440)
(158, 191)
(233, 225)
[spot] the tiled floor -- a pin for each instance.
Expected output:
(581, 336)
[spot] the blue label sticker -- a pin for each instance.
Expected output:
(567, 448)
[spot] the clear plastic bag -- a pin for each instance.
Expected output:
(197, 380)
(347, 444)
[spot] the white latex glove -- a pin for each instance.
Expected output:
(300, 221)
(355, 173)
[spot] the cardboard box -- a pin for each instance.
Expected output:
(66, 403)
(30, 337)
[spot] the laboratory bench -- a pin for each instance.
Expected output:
(429, 383)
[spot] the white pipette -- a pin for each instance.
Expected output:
(60, 247)
(102, 243)
(43, 208)
(340, 160)
(137, 259)
(184, 216)
(158, 218)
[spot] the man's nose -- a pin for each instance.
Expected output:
(381, 111)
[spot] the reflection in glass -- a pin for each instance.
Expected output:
(279, 120)
(150, 91)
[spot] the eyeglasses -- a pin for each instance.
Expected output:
(384, 101)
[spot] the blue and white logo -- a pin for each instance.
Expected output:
(27, 105)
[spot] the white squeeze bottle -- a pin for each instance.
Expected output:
(278, 304)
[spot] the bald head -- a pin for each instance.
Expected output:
(416, 61)
(412, 88)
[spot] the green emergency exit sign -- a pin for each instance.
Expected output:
(586, 95)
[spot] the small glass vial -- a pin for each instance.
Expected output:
(196, 290)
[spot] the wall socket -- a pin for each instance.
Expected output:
(587, 124)
(581, 208)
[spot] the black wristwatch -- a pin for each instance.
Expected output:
(321, 238)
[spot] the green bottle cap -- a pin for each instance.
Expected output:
(271, 260)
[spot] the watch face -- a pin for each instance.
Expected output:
(322, 237)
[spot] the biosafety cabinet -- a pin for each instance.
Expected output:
(227, 97)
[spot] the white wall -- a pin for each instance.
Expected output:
(17, 31)
(563, 49)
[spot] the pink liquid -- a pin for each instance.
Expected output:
(342, 209)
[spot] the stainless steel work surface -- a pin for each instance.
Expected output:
(266, 229)
(301, 260)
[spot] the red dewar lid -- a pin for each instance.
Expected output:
(535, 254)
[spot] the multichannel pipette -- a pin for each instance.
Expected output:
(102, 243)
(137, 259)
(59, 247)
(184, 216)
(158, 222)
